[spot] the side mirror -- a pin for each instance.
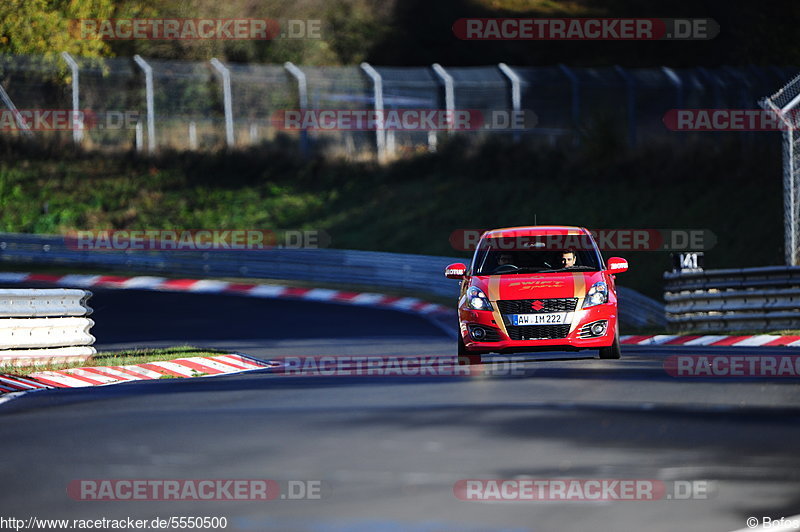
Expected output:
(455, 271)
(617, 265)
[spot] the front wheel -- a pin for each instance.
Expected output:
(613, 351)
(465, 358)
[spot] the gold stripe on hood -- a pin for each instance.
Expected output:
(579, 292)
(494, 296)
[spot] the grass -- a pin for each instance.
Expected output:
(413, 205)
(119, 358)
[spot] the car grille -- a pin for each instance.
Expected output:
(523, 306)
(537, 332)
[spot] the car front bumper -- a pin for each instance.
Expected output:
(572, 341)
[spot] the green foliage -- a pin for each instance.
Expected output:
(413, 205)
(47, 27)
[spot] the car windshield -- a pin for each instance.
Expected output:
(491, 259)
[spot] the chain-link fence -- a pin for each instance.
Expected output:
(152, 105)
(784, 104)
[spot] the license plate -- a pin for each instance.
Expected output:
(539, 319)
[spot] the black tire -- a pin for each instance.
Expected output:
(465, 358)
(613, 351)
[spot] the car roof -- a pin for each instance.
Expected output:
(535, 230)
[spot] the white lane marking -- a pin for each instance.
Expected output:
(755, 341)
(367, 298)
(209, 286)
(214, 364)
(144, 372)
(79, 280)
(177, 368)
(320, 294)
(658, 339)
(143, 282)
(60, 378)
(13, 277)
(12, 382)
(120, 375)
(706, 340)
(101, 379)
(266, 290)
(406, 303)
(242, 361)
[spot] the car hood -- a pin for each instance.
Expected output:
(537, 286)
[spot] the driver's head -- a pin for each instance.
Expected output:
(568, 259)
(505, 258)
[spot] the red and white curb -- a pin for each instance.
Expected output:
(208, 286)
(15, 383)
(757, 340)
(100, 375)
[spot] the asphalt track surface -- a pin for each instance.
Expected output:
(387, 450)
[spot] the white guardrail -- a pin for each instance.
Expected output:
(762, 299)
(38, 325)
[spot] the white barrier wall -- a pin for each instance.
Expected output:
(44, 325)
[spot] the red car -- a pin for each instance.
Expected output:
(537, 288)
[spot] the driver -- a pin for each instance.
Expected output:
(568, 259)
(505, 258)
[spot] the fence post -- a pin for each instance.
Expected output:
(227, 103)
(151, 115)
(23, 126)
(77, 123)
(449, 94)
(380, 129)
(630, 88)
(302, 93)
(192, 135)
(678, 82)
(791, 187)
(516, 90)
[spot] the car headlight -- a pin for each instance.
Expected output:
(597, 295)
(477, 300)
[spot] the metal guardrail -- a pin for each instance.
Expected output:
(42, 325)
(766, 298)
(367, 268)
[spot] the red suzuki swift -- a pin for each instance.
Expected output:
(539, 288)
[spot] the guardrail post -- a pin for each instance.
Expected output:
(302, 94)
(516, 90)
(77, 123)
(151, 114)
(449, 93)
(227, 99)
(380, 129)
